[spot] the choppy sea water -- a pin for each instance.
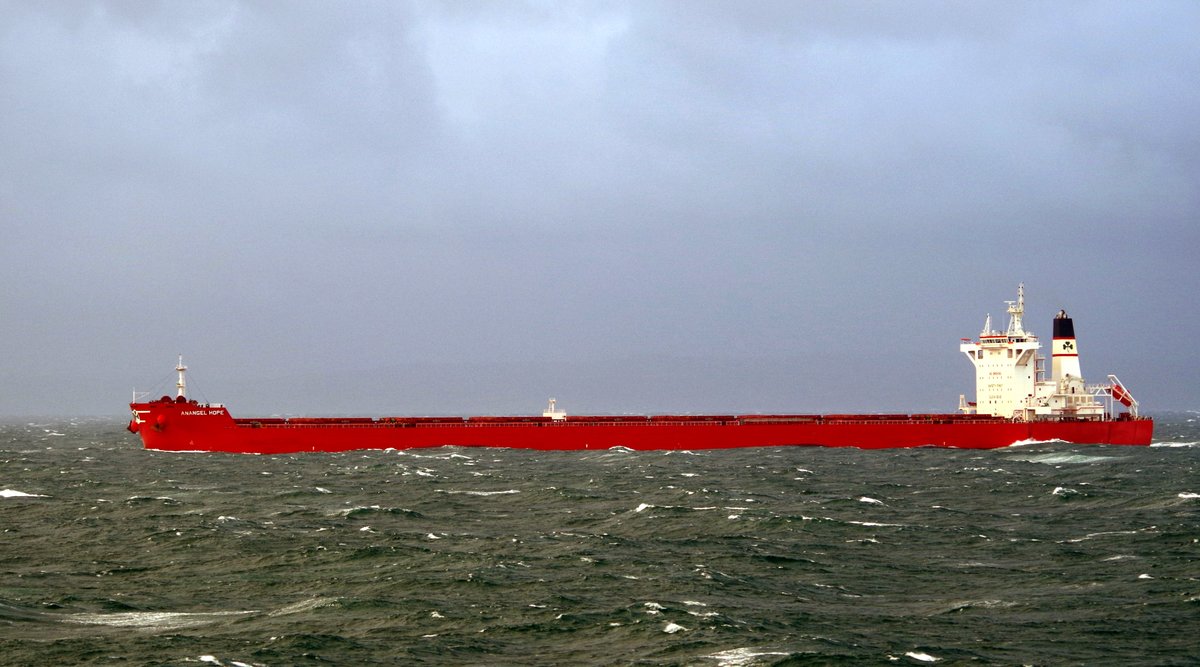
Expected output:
(1046, 554)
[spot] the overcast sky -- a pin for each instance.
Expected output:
(418, 207)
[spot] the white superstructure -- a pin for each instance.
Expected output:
(181, 384)
(1010, 378)
(553, 412)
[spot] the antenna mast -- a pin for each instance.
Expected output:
(1016, 311)
(181, 385)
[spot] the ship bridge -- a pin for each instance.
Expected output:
(1010, 377)
(1007, 364)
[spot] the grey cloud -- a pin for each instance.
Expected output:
(549, 198)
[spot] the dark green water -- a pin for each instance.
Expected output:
(1043, 554)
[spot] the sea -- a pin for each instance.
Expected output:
(1036, 554)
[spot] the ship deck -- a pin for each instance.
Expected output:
(608, 420)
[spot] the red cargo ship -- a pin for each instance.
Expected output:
(1015, 403)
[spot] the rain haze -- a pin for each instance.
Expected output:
(467, 208)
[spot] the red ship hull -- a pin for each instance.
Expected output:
(174, 425)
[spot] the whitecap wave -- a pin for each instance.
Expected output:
(506, 492)
(1106, 533)
(1032, 441)
(1056, 458)
(742, 657)
(13, 493)
(154, 620)
(214, 660)
(304, 605)
(358, 508)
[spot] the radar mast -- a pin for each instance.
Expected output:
(181, 385)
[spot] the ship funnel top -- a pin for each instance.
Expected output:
(1065, 363)
(1064, 327)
